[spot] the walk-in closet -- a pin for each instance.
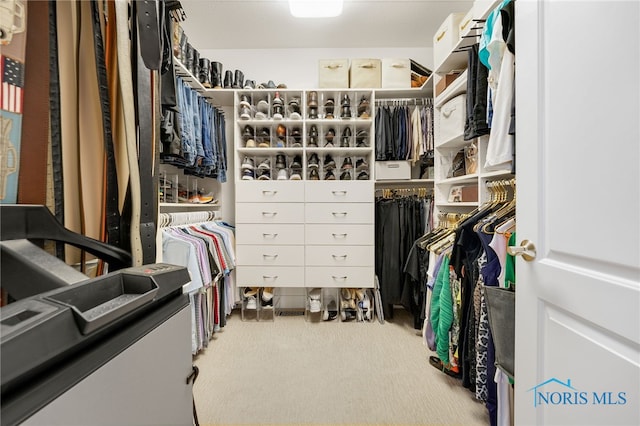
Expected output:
(327, 212)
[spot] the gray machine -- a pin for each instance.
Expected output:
(110, 350)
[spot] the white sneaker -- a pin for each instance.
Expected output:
(282, 174)
(314, 300)
(251, 302)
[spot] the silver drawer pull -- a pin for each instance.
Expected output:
(269, 214)
(341, 257)
(271, 236)
(270, 277)
(339, 214)
(340, 235)
(267, 192)
(339, 192)
(338, 278)
(270, 256)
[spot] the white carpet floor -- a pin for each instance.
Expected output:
(292, 371)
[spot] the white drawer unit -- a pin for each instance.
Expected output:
(339, 255)
(339, 234)
(270, 213)
(339, 213)
(285, 209)
(271, 276)
(258, 255)
(268, 234)
(346, 276)
(339, 192)
(269, 192)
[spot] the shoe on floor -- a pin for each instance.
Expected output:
(315, 304)
(330, 311)
(267, 297)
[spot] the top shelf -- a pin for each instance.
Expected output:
(425, 91)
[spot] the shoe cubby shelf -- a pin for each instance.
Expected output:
(283, 143)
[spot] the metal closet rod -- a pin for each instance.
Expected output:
(405, 101)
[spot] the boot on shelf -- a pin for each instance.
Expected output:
(238, 82)
(228, 79)
(216, 75)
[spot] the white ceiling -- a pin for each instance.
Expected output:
(267, 24)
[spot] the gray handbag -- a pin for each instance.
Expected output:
(501, 308)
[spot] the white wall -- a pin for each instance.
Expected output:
(298, 68)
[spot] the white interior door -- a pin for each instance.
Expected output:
(578, 190)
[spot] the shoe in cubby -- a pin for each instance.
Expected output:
(329, 107)
(266, 297)
(248, 163)
(363, 108)
(262, 110)
(283, 174)
(296, 136)
(313, 136)
(347, 164)
(362, 165)
(248, 174)
(264, 174)
(294, 109)
(278, 107)
(362, 138)
(348, 305)
(264, 137)
(248, 137)
(329, 163)
(314, 174)
(328, 137)
(363, 175)
(246, 112)
(281, 133)
(245, 100)
(314, 161)
(329, 175)
(345, 107)
(345, 139)
(312, 99)
(346, 175)
(281, 162)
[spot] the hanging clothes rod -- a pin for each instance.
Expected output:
(185, 218)
(405, 101)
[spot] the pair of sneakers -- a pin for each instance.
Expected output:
(252, 294)
(315, 300)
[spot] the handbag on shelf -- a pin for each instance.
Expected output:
(457, 165)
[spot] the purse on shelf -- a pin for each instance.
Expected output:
(457, 165)
(471, 159)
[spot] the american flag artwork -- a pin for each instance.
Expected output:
(12, 89)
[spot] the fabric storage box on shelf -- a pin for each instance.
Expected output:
(451, 119)
(446, 81)
(396, 73)
(365, 73)
(333, 73)
(393, 170)
(446, 38)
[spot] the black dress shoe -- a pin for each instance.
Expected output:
(228, 79)
(238, 82)
(216, 75)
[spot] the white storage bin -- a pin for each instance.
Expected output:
(451, 119)
(392, 170)
(333, 73)
(365, 73)
(396, 73)
(446, 38)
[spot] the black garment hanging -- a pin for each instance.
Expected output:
(476, 121)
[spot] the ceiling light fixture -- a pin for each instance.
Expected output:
(315, 8)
